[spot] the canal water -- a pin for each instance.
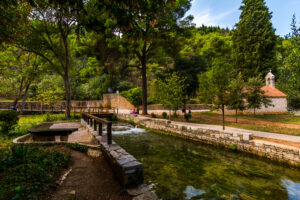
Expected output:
(181, 169)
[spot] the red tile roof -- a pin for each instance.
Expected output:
(272, 92)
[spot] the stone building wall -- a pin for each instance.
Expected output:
(116, 100)
(243, 142)
(280, 107)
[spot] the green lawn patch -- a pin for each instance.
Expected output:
(28, 172)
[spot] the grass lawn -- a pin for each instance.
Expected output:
(28, 121)
(281, 123)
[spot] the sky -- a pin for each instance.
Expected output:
(225, 13)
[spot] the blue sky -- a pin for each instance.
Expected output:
(225, 13)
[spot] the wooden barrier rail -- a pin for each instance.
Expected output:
(94, 121)
(92, 110)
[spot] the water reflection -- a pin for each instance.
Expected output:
(180, 169)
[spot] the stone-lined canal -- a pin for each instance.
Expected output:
(180, 169)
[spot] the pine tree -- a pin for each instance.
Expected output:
(254, 40)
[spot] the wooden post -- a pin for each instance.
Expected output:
(109, 135)
(100, 129)
(95, 125)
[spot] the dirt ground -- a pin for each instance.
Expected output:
(293, 144)
(244, 121)
(90, 178)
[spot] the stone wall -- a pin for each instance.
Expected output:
(116, 100)
(126, 168)
(280, 107)
(243, 142)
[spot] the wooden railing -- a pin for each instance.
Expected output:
(97, 122)
(92, 110)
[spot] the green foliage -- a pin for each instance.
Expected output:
(8, 118)
(29, 119)
(214, 84)
(237, 94)
(19, 71)
(170, 92)
(187, 116)
(131, 122)
(190, 68)
(164, 115)
(134, 96)
(27, 172)
(233, 147)
(77, 147)
(153, 115)
(254, 40)
(49, 90)
(114, 118)
(289, 71)
(254, 95)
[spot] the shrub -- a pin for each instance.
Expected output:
(175, 115)
(114, 118)
(77, 147)
(187, 116)
(164, 115)
(27, 172)
(153, 115)
(134, 96)
(50, 118)
(233, 147)
(8, 118)
(131, 122)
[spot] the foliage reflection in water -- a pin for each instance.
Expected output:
(180, 169)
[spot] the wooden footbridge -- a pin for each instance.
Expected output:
(76, 110)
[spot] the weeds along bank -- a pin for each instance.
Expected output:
(243, 142)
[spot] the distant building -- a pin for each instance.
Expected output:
(278, 99)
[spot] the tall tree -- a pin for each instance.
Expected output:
(14, 21)
(254, 95)
(170, 92)
(214, 86)
(289, 81)
(254, 39)
(237, 95)
(51, 27)
(149, 28)
(19, 70)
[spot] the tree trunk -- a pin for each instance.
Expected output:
(223, 116)
(170, 114)
(254, 111)
(68, 95)
(144, 85)
(24, 97)
(236, 115)
(16, 101)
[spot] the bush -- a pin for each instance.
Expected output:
(77, 147)
(187, 116)
(233, 147)
(134, 96)
(50, 118)
(8, 118)
(114, 118)
(175, 115)
(27, 172)
(164, 115)
(153, 115)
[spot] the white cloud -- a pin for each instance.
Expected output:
(208, 18)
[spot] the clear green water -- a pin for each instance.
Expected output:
(181, 169)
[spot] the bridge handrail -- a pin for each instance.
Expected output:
(93, 120)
